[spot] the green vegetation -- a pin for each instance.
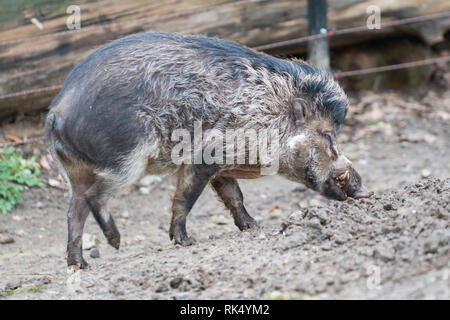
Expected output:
(411, 118)
(291, 296)
(6, 292)
(15, 173)
(35, 288)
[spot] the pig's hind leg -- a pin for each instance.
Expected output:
(191, 181)
(88, 193)
(229, 192)
(76, 218)
(97, 196)
(80, 179)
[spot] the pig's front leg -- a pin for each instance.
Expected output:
(231, 195)
(192, 179)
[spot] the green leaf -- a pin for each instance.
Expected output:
(15, 173)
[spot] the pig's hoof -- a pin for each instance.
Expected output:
(246, 223)
(114, 240)
(182, 238)
(178, 232)
(80, 264)
(186, 241)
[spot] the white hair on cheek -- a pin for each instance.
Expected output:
(294, 141)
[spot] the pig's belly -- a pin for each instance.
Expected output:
(250, 172)
(159, 167)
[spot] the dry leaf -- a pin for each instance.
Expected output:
(53, 182)
(273, 207)
(13, 138)
(44, 163)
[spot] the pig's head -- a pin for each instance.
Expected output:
(313, 156)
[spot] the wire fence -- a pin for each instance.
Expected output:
(339, 74)
(332, 32)
(336, 74)
(329, 33)
(31, 91)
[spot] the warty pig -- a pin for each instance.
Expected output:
(116, 116)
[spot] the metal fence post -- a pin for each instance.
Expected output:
(318, 51)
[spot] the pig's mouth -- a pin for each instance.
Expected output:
(345, 184)
(342, 180)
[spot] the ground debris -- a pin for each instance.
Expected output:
(5, 239)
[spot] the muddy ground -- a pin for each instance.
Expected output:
(392, 246)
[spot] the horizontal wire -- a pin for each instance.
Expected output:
(338, 74)
(404, 65)
(332, 32)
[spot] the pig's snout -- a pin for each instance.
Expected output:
(331, 189)
(344, 183)
(361, 193)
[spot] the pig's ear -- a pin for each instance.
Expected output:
(299, 111)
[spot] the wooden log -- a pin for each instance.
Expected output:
(47, 61)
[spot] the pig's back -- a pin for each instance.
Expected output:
(145, 86)
(165, 80)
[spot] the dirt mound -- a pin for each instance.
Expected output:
(397, 235)
(411, 216)
(393, 245)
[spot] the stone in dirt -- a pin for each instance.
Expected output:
(384, 254)
(425, 173)
(20, 233)
(181, 295)
(13, 284)
(5, 239)
(89, 241)
(94, 253)
(220, 220)
(175, 283)
(162, 288)
(39, 205)
(46, 280)
(275, 214)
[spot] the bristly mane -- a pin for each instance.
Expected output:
(145, 64)
(324, 92)
(326, 95)
(318, 85)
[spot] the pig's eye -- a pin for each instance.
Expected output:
(327, 136)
